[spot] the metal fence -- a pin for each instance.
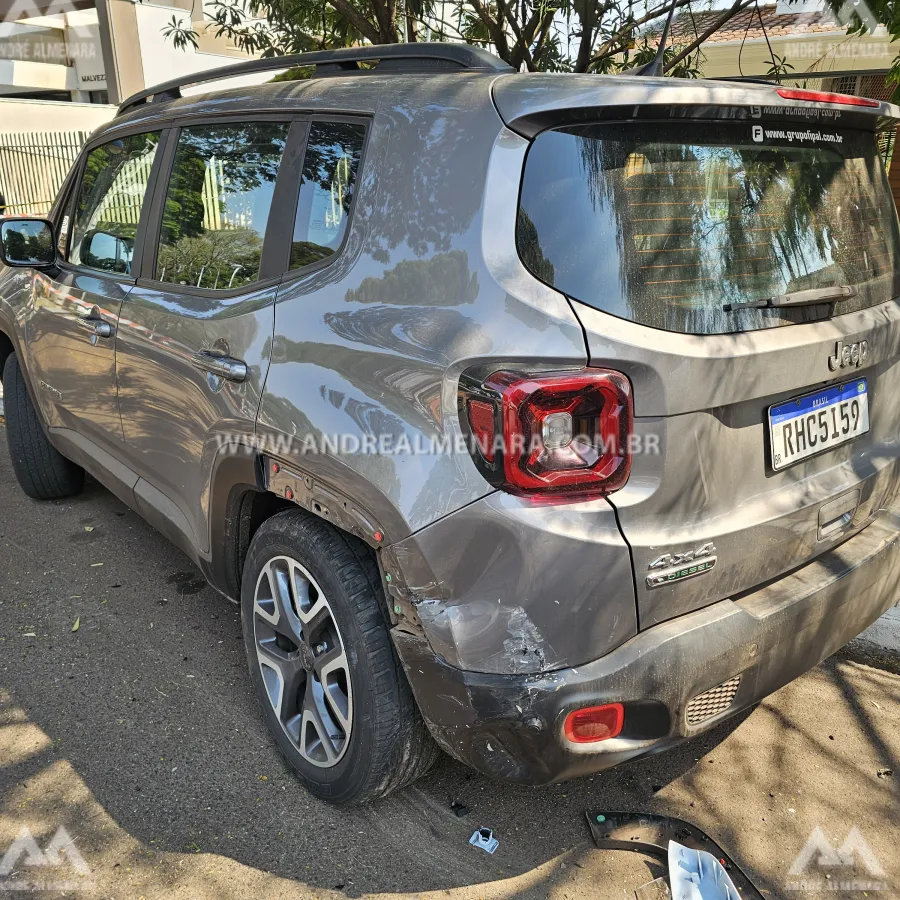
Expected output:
(33, 168)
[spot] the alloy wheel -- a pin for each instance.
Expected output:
(303, 662)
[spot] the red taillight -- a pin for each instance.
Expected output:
(595, 723)
(824, 97)
(481, 421)
(563, 434)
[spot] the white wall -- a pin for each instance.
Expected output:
(161, 61)
(818, 52)
(29, 116)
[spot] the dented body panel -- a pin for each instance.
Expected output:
(511, 726)
(499, 585)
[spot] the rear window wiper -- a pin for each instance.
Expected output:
(799, 298)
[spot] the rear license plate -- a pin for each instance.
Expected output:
(819, 421)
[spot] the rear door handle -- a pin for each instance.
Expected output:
(226, 367)
(96, 326)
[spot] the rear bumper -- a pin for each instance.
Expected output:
(511, 726)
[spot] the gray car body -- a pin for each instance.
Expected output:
(429, 285)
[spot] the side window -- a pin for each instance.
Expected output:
(217, 204)
(330, 168)
(109, 201)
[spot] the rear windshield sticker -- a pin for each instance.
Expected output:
(761, 135)
(807, 112)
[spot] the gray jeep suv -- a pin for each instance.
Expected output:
(545, 419)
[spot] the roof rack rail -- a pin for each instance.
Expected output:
(396, 57)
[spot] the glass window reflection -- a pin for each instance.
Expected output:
(217, 204)
(667, 232)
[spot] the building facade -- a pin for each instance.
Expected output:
(99, 51)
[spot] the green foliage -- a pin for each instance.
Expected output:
(778, 65)
(212, 259)
(538, 35)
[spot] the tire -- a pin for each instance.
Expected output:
(42, 471)
(322, 662)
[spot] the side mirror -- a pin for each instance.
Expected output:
(108, 252)
(27, 243)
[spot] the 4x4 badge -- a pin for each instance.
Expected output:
(672, 567)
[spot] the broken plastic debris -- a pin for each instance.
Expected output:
(654, 890)
(484, 838)
(698, 875)
(653, 835)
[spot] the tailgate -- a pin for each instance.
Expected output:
(711, 486)
(744, 276)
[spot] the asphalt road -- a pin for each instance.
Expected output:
(138, 734)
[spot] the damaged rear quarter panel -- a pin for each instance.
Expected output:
(506, 586)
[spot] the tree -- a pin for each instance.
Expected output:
(538, 35)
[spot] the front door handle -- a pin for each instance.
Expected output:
(96, 326)
(226, 367)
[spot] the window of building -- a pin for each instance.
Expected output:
(109, 202)
(330, 170)
(217, 204)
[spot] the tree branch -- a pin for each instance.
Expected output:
(611, 45)
(522, 51)
(357, 20)
(495, 29)
(543, 34)
(588, 14)
(382, 10)
(730, 13)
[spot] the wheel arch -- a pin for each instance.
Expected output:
(12, 343)
(243, 496)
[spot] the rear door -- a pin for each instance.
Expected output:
(195, 334)
(744, 275)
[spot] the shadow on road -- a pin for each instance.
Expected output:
(138, 732)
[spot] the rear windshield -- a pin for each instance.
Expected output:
(667, 226)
